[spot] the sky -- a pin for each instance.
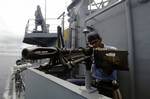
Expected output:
(14, 15)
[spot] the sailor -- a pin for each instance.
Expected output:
(39, 20)
(105, 75)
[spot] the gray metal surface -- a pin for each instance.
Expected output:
(42, 39)
(45, 86)
(141, 23)
(39, 87)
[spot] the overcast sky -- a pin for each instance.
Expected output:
(14, 15)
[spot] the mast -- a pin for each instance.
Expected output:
(45, 10)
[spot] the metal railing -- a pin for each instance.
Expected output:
(51, 24)
(99, 4)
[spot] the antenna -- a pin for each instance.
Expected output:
(45, 11)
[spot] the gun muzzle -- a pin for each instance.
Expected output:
(38, 53)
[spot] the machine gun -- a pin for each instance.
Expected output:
(57, 56)
(68, 58)
(62, 61)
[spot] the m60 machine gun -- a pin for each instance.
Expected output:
(66, 59)
(62, 61)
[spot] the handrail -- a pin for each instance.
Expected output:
(103, 10)
(53, 22)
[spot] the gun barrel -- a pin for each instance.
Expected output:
(38, 53)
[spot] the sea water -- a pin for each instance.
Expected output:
(7, 60)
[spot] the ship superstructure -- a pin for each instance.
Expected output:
(121, 23)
